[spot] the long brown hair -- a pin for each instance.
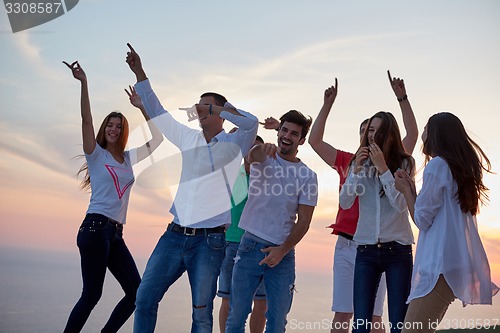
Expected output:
(101, 141)
(447, 138)
(388, 138)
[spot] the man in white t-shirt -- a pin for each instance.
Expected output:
(282, 195)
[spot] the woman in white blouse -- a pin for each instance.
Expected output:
(383, 234)
(450, 260)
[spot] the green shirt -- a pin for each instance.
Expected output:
(239, 197)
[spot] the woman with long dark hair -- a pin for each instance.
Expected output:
(109, 176)
(347, 220)
(450, 261)
(383, 234)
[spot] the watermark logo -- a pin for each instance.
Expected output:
(28, 14)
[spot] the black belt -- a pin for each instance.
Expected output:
(103, 218)
(345, 235)
(386, 245)
(195, 231)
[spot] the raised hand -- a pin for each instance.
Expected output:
(331, 94)
(87, 126)
(361, 155)
(77, 70)
(133, 60)
(135, 100)
(192, 112)
(377, 157)
(270, 123)
(398, 85)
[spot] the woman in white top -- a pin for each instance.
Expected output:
(109, 175)
(450, 261)
(383, 234)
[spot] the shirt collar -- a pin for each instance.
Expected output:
(219, 137)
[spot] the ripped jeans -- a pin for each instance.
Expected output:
(201, 256)
(247, 274)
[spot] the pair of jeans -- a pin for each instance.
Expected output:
(226, 274)
(343, 279)
(396, 261)
(279, 282)
(201, 256)
(101, 245)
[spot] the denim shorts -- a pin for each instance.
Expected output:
(226, 273)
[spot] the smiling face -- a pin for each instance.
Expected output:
(289, 138)
(113, 130)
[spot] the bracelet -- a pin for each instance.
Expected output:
(210, 110)
(404, 98)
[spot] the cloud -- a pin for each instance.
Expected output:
(288, 70)
(38, 149)
(309, 58)
(32, 53)
(33, 58)
(37, 154)
(27, 49)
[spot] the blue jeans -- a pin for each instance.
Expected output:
(396, 261)
(226, 274)
(247, 274)
(101, 246)
(201, 256)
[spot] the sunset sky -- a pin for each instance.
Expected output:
(266, 57)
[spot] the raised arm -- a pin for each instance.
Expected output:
(156, 136)
(87, 125)
(134, 62)
(327, 152)
(246, 122)
(271, 123)
(216, 110)
(179, 134)
(409, 121)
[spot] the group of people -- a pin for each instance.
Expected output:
(239, 224)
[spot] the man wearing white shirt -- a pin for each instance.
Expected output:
(282, 195)
(194, 241)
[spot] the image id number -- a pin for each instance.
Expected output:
(32, 8)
